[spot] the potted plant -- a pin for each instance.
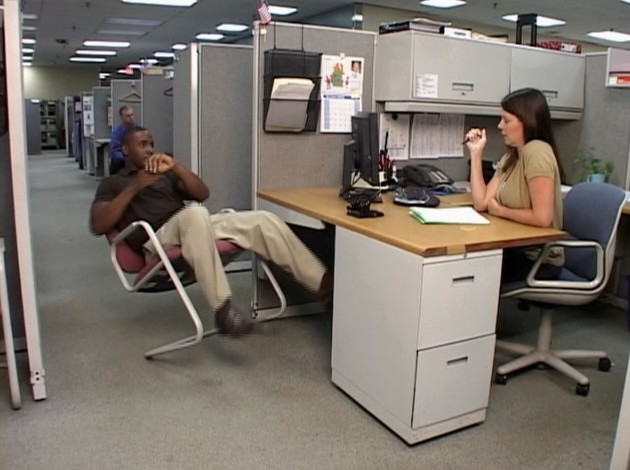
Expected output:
(592, 168)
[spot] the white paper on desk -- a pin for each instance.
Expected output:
(449, 215)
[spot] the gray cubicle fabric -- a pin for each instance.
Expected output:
(221, 77)
(308, 158)
(8, 232)
(33, 129)
(120, 96)
(102, 102)
(225, 124)
(606, 120)
(182, 112)
(157, 109)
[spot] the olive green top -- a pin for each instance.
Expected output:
(536, 158)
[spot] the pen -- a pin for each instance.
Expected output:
(466, 140)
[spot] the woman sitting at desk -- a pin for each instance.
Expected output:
(526, 185)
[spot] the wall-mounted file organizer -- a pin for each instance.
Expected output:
(291, 90)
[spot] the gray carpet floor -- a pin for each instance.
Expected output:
(265, 401)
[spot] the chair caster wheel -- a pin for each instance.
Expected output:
(582, 389)
(604, 364)
(500, 379)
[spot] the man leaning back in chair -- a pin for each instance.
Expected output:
(153, 187)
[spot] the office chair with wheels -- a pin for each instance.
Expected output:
(591, 215)
(170, 271)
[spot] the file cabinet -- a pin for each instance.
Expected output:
(413, 337)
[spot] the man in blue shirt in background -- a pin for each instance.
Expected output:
(117, 157)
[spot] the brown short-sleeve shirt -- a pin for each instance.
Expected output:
(536, 158)
(155, 204)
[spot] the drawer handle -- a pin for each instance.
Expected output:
(464, 280)
(461, 86)
(457, 361)
(550, 94)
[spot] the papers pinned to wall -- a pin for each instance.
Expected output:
(396, 128)
(341, 92)
(437, 135)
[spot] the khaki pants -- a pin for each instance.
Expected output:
(195, 229)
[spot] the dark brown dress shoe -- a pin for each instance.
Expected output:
(231, 321)
(325, 292)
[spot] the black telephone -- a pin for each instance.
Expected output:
(426, 176)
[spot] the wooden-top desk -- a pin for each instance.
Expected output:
(399, 229)
(415, 308)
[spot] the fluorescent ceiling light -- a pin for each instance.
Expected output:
(357, 18)
(120, 32)
(164, 3)
(232, 28)
(106, 43)
(28, 50)
(209, 36)
(29, 16)
(124, 72)
(28, 41)
(27, 64)
(612, 36)
(133, 22)
(164, 55)
(95, 52)
(134, 66)
(281, 11)
(179, 47)
(541, 21)
(87, 59)
(442, 3)
(103, 75)
(28, 28)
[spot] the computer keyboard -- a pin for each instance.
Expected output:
(414, 196)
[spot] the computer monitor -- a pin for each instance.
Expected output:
(365, 137)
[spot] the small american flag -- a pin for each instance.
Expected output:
(263, 12)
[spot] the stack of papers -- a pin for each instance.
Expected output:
(449, 215)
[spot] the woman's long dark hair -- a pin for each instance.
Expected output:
(530, 107)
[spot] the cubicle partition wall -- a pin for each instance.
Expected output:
(157, 107)
(185, 108)
(606, 121)
(606, 127)
(284, 160)
(126, 92)
(101, 131)
(213, 120)
(33, 127)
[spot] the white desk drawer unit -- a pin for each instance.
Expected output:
(413, 337)
(453, 381)
(459, 300)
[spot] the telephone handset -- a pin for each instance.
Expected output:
(426, 176)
